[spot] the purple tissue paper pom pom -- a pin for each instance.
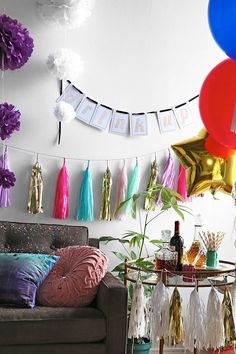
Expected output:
(9, 120)
(16, 45)
(7, 178)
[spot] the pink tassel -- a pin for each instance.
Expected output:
(168, 177)
(121, 193)
(61, 202)
(182, 184)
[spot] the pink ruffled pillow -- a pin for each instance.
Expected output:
(74, 281)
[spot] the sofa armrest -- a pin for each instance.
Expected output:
(112, 301)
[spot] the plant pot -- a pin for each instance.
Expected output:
(142, 348)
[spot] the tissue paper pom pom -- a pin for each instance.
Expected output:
(70, 13)
(64, 112)
(9, 120)
(7, 178)
(16, 46)
(65, 64)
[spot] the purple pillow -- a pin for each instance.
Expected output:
(20, 276)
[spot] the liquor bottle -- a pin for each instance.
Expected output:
(177, 244)
(166, 258)
(196, 254)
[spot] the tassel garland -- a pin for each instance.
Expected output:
(132, 189)
(7, 180)
(181, 189)
(228, 318)
(160, 313)
(214, 326)
(105, 209)
(85, 203)
(61, 202)
(168, 177)
(137, 323)
(232, 290)
(35, 197)
(120, 193)
(195, 329)
(176, 327)
(150, 201)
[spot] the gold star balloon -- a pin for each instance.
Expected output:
(204, 171)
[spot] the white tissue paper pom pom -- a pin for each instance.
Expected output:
(65, 64)
(70, 13)
(64, 112)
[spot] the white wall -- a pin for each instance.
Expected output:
(139, 55)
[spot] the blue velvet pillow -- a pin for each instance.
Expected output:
(20, 276)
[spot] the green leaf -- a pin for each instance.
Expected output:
(119, 268)
(108, 239)
(120, 255)
(156, 242)
(179, 212)
(133, 255)
(144, 264)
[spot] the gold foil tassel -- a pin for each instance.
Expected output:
(35, 198)
(228, 318)
(150, 200)
(176, 328)
(105, 209)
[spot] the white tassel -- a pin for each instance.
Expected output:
(137, 314)
(214, 325)
(195, 330)
(160, 312)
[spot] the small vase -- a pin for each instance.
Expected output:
(212, 259)
(142, 348)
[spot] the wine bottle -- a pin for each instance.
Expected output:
(177, 244)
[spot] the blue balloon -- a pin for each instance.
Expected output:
(222, 22)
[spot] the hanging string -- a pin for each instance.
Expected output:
(77, 159)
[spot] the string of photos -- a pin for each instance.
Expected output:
(73, 103)
(125, 188)
(199, 327)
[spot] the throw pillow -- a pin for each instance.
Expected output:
(75, 278)
(20, 276)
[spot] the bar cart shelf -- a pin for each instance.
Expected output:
(223, 276)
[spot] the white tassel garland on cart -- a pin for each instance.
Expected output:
(160, 312)
(214, 322)
(195, 329)
(137, 324)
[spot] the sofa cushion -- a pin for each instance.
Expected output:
(44, 325)
(39, 238)
(75, 278)
(20, 276)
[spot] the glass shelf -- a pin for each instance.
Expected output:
(223, 275)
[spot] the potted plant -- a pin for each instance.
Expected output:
(135, 247)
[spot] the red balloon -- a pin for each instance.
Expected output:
(217, 102)
(217, 149)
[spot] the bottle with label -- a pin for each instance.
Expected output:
(196, 255)
(177, 244)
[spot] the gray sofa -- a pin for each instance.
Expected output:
(97, 329)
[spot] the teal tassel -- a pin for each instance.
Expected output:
(85, 203)
(132, 189)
